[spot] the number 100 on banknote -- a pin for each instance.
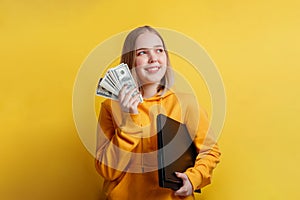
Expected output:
(115, 78)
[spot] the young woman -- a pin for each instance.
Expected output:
(126, 154)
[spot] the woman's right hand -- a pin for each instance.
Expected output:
(128, 102)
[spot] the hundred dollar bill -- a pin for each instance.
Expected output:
(124, 77)
(105, 93)
(114, 80)
(108, 84)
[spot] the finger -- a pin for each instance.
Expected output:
(122, 93)
(181, 175)
(134, 99)
(134, 105)
(185, 190)
(128, 96)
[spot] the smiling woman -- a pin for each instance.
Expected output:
(150, 61)
(126, 152)
(144, 51)
(48, 51)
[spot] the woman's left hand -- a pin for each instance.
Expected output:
(187, 188)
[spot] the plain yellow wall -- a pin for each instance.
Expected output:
(255, 45)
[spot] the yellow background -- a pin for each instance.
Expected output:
(255, 45)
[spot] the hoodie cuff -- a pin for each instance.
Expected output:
(195, 178)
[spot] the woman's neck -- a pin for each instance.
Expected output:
(149, 90)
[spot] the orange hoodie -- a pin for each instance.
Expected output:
(126, 153)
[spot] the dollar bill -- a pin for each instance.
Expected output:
(114, 80)
(124, 77)
(109, 85)
(105, 93)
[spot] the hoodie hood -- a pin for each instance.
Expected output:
(159, 97)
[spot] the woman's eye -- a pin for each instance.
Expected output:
(160, 50)
(141, 53)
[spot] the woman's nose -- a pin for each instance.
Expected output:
(152, 57)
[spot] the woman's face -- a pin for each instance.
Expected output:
(151, 59)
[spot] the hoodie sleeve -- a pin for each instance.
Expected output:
(208, 151)
(115, 141)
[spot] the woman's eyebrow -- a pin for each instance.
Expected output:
(149, 48)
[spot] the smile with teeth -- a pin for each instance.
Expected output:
(152, 69)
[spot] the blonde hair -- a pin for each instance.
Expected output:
(128, 57)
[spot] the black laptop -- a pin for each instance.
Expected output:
(176, 151)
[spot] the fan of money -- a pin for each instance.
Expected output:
(113, 81)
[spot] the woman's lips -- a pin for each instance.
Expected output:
(152, 69)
